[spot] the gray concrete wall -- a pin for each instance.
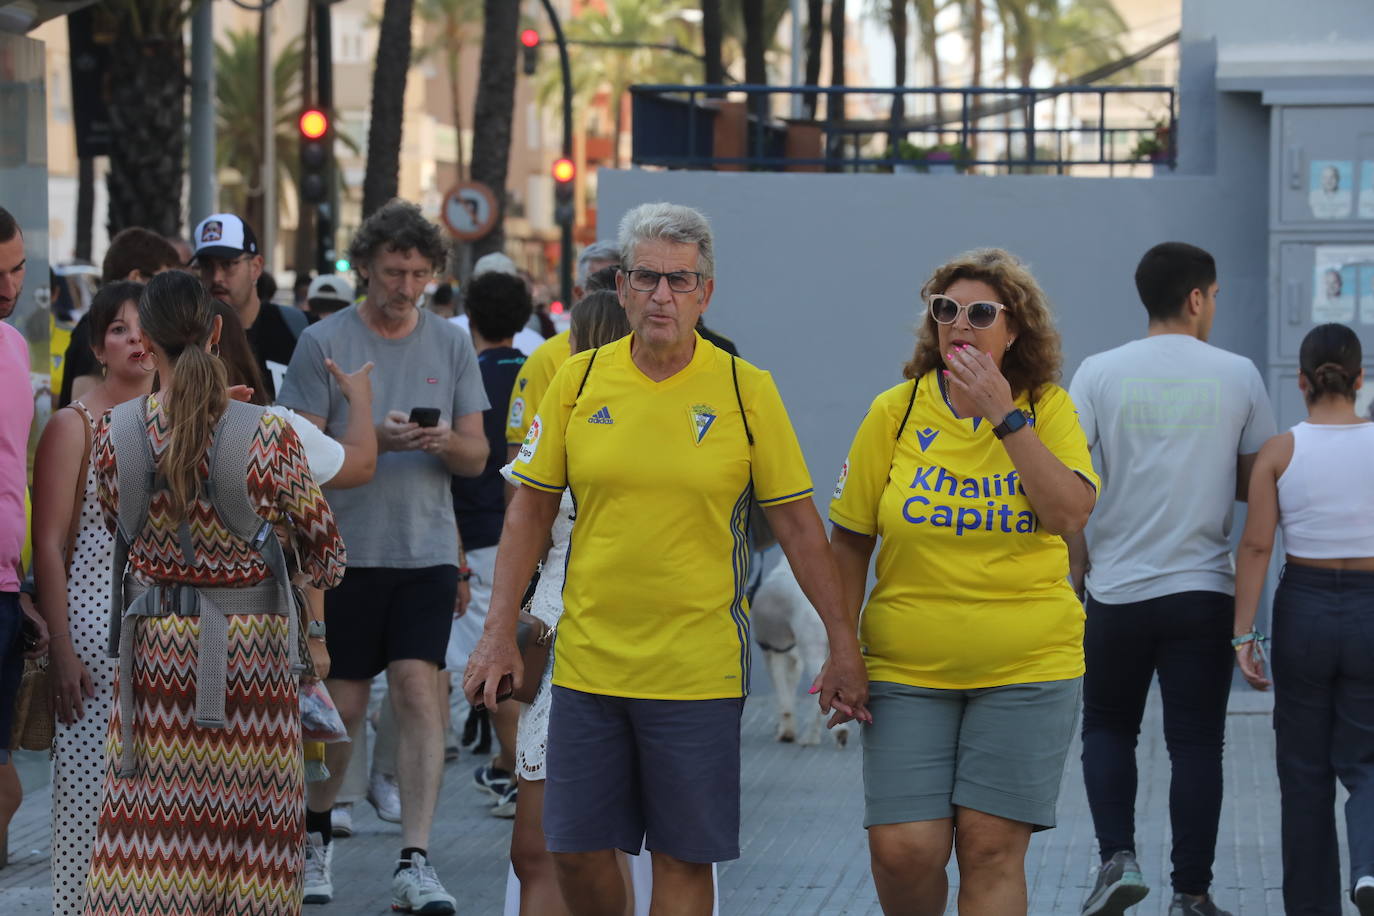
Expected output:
(818, 276)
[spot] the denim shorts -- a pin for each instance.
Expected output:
(997, 750)
(11, 666)
(659, 773)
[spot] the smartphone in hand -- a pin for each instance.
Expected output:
(426, 417)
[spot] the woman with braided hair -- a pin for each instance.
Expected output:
(203, 803)
(1313, 482)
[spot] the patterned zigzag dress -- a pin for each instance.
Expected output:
(212, 824)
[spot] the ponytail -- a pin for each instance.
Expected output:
(199, 400)
(175, 313)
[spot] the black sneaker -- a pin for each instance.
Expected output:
(1183, 905)
(1363, 895)
(1120, 885)
(491, 781)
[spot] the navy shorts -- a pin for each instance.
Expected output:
(380, 615)
(659, 773)
(11, 666)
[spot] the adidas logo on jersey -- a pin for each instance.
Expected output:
(601, 416)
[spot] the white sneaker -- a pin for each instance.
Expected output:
(385, 796)
(319, 888)
(505, 805)
(341, 820)
(416, 889)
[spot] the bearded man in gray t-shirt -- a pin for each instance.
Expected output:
(1174, 425)
(395, 606)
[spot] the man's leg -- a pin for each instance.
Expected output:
(414, 695)
(591, 798)
(1117, 646)
(1195, 662)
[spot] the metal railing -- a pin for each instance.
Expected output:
(685, 127)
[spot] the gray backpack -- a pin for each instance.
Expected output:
(227, 490)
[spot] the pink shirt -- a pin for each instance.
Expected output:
(16, 416)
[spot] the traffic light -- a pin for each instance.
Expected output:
(529, 38)
(564, 171)
(316, 137)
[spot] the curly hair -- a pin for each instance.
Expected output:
(397, 225)
(1036, 359)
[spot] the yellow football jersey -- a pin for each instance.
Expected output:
(532, 383)
(970, 592)
(661, 474)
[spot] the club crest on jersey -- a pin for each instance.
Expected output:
(703, 417)
(531, 440)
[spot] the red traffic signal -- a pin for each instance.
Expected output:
(530, 38)
(314, 124)
(564, 171)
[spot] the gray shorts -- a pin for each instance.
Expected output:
(998, 750)
(659, 773)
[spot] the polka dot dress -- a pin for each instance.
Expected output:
(78, 766)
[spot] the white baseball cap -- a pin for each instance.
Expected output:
(224, 235)
(330, 287)
(495, 262)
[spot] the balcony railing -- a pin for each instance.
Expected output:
(1051, 129)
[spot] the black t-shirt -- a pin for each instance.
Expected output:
(480, 502)
(273, 339)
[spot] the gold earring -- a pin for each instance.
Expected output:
(103, 370)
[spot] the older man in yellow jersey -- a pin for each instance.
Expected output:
(664, 440)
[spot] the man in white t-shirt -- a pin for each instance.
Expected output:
(1174, 424)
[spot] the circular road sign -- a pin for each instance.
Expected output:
(469, 210)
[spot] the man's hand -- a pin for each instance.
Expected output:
(353, 384)
(397, 434)
(435, 439)
(40, 648)
(494, 659)
(843, 688)
(464, 598)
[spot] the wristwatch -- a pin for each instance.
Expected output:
(315, 630)
(1010, 424)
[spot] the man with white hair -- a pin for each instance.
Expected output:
(650, 676)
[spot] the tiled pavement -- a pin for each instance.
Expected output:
(804, 850)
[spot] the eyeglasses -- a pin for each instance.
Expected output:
(980, 314)
(679, 281)
(212, 266)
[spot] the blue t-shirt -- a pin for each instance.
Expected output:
(480, 502)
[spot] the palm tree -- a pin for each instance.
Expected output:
(147, 109)
(382, 177)
(453, 19)
(895, 13)
(767, 16)
(712, 35)
(493, 111)
(631, 26)
(834, 106)
(238, 120)
(926, 11)
(815, 34)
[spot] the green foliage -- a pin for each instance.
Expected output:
(238, 113)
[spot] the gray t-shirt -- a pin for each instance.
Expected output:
(1166, 418)
(403, 518)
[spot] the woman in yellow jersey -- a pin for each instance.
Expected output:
(970, 474)
(663, 441)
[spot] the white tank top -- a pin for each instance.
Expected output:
(1326, 495)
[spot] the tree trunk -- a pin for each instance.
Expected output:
(712, 36)
(493, 112)
(85, 207)
(382, 178)
(976, 39)
(926, 12)
(453, 89)
(898, 21)
(834, 106)
(755, 44)
(815, 35)
(147, 109)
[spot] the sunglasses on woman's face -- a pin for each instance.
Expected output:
(980, 314)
